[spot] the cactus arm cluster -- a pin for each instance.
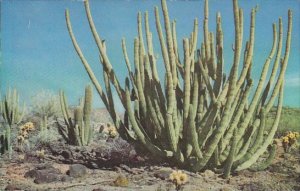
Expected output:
(77, 131)
(268, 139)
(12, 115)
(199, 118)
(11, 111)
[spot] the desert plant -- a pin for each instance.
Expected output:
(46, 137)
(289, 140)
(23, 135)
(121, 181)
(12, 115)
(200, 119)
(5, 140)
(77, 131)
(45, 105)
(178, 178)
(10, 109)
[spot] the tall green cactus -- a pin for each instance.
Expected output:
(12, 115)
(203, 119)
(11, 111)
(5, 140)
(77, 131)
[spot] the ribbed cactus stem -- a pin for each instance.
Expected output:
(268, 161)
(78, 131)
(87, 110)
(269, 137)
(231, 156)
(169, 42)
(11, 110)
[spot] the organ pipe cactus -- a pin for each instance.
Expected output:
(200, 119)
(5, 140)
(11, 111)
(77, 131)
(12, 115)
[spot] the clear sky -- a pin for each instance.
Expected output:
(37, 52)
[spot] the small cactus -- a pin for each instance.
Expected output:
(40, 154)
(178, 178)
(23, 134)
(289, 140)
(121, 181)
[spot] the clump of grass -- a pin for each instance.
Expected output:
(45, 137)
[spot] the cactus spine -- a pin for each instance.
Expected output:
(77, 131)
(210, 122)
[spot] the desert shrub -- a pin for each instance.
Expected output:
(45, 137)
(118, 149)
(45, 103)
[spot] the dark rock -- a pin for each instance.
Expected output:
(77, 170)
(163, 173)
(44, 177)
(11, 187)
(44, 174)
(66, 154)
(65, 178)
(98, 189)
(208, 174)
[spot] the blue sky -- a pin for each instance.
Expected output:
(37, 52)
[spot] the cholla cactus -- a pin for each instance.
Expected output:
(40, 154)
(289, 140)
(178, 178)
(112, 131)
(200, 119)
(23, 134)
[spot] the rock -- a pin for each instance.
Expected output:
(163, 173)
(11, 187)
(208, 174)
(65, 178)
(98, 189)
(245, 173)
(66, 154)
(77, 170)
(226, 189)
(45, 177)
(2, 172)
(44, 174)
